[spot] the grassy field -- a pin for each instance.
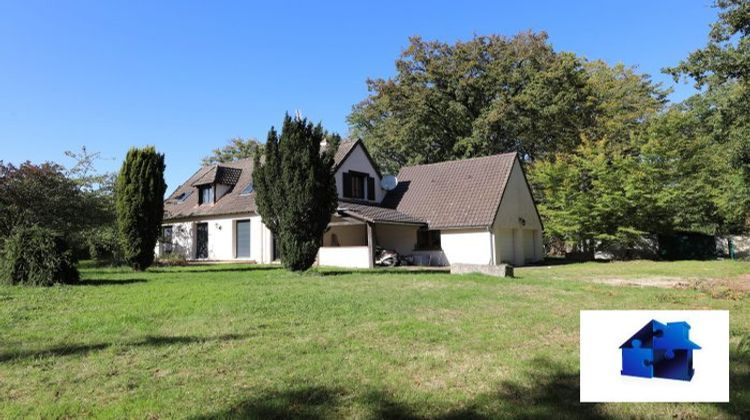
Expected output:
(255, 341)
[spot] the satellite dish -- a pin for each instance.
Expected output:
(389, 182)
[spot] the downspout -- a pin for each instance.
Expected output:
(492, 246)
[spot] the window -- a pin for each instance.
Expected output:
(242, 239)
(248, 189)
(165, 242)
(359, 185)
(183, 196)
(206, 194)
(428, 240)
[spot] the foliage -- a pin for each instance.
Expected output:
(237, 149)
(36, 256)
(488, 95)
(296, 190)
(722, 68)
(139, 194)
(104, 245)
(172, 259)
(97, 197)
(590, 198)
(40, 195)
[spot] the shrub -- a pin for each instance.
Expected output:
(37, 256)
(104, 246)
(172, 259)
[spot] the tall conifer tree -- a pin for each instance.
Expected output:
(140, 205)
(296, 190)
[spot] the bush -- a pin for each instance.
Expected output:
(104, 246)
(172, 259)
(37, 256)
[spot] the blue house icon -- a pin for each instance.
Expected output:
(659, 350)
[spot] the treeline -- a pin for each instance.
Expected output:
(51, 216)
(608, 157)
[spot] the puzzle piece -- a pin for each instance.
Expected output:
(659, 350)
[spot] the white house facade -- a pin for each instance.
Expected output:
(477, 211)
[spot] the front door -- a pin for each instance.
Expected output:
(201, 246)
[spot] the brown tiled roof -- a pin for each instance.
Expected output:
(346, 147)
(454, 194)
(221, 174)
(375, 213)
(237, 174)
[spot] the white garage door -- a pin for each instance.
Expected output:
(528, 245)
(504, 245)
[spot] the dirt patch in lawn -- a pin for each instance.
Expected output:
(720, 288)
(663, 282)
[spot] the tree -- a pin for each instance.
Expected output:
(40, 195)
(139, 195)
(722, 68)
(236, 149)
(589, 199)
(296, 190)
(624, 102)
(488, 95)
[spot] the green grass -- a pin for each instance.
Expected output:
(254, 341)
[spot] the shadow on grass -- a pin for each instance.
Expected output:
(553, 392)
(109, 282)
(205, 268)
(739, 382)
(377, 271)
(83, 349)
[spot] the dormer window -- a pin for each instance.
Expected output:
(359, 185)
(206, 194)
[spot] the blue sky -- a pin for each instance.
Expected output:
(187, 76)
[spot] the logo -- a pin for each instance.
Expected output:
(661, 351)
(649, 356)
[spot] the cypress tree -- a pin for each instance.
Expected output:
(295, 190)
(139, 196)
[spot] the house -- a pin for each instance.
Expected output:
(476, 211)
(659, 350)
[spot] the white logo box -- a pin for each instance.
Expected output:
(602, 333)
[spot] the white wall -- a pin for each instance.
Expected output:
(347, 235)
(357, 161)
(344, 256)
(222, 238)
(467, 246)
(515, 242)
(400, 238)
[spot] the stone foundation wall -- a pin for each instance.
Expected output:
(502, 270)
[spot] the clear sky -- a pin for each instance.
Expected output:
(186, 76)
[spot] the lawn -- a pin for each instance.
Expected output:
(256, 341)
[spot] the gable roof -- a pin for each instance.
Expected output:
(454, 194)
(235, 174)
(346, 147)
(655, 335)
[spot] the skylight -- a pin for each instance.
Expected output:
(183, 196)
(248, 189)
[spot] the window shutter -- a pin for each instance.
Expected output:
(371, 188)
(347, 184)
